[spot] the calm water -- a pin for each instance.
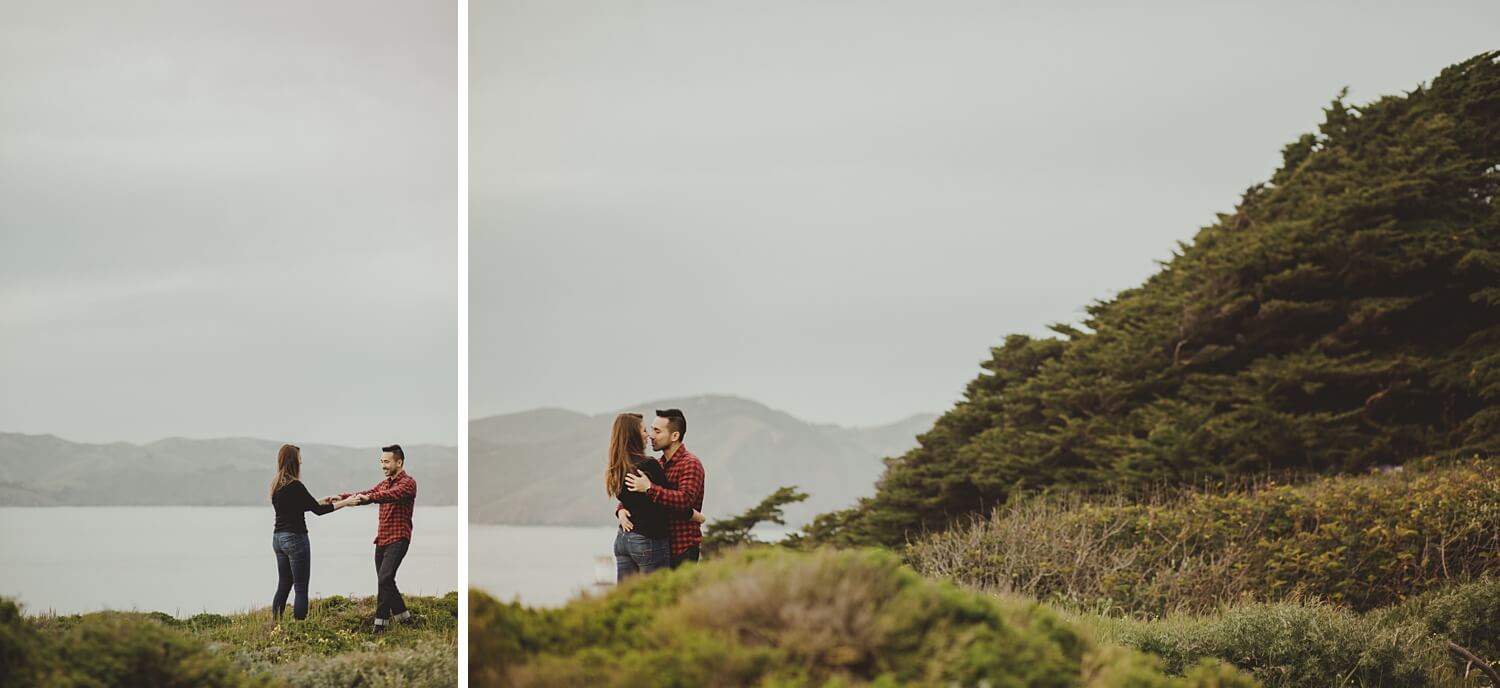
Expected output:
(545, 566)
(186, 560)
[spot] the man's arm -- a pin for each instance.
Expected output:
(689, 492)
(623, 516)
(345, 495)
(658, 476)
(403, 489)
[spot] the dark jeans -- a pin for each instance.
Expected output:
(637, 553)
(690, 555)
(387, 559)
(293, 568)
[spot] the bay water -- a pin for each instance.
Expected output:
(183, 560)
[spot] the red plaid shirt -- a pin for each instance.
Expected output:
(685, 473)
(397, 498)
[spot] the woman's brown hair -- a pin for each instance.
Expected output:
(624, 442)
(288, 466)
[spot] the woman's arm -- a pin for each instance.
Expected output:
(311, 504)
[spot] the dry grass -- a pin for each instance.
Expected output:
(1362, 541)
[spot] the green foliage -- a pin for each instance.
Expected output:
(768, 616)
(1362, 542)
(373, 669)
(122, 649)
(1345, 315)
(1467, 614)
(332, 648)
(730, 532)
(1302, 643)
(1295, 646)
(26, 658)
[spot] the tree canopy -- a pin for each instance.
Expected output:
(1345, 315)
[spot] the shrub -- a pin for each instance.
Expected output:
(770, 617)
(26, 658)
(332, 648)
(123, 649)
(1295, 645)
(1363, 542)
(1467, 614)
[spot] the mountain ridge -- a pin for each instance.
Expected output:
(47, 470)
(532, 476)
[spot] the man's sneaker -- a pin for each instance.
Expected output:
(379, 628)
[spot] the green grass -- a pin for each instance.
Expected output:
(771, 617)
(333, 647)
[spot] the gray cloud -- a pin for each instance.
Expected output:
(837, 208)
(226, 218)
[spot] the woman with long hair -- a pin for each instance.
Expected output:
(645, 547)
(289, 541)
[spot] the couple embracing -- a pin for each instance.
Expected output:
(396, 494)
(660, 500)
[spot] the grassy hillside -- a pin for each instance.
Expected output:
(332, 648)
(1361, 542)
(1346, 314)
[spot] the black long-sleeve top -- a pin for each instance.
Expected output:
(648, 517)
(292, 501)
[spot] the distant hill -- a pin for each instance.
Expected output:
(546, 467)
(44, 470)
(1345, 315)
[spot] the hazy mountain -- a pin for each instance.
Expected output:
(546, 467)
(44, 470)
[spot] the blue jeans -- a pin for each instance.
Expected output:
(293, 568)
(636, 553)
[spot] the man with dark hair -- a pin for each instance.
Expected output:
(397, 497)
(684, 489)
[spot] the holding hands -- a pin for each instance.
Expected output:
(352, 500)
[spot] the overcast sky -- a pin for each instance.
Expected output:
(228, 219)
(838, 208)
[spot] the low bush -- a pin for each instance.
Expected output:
(766, 616)
(1362, 542)
(26, 658)
(125, 649)
(1467, 614)
(1290, 645)
(333, 647)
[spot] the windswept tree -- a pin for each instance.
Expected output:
(1346, 314)
(730, 532)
